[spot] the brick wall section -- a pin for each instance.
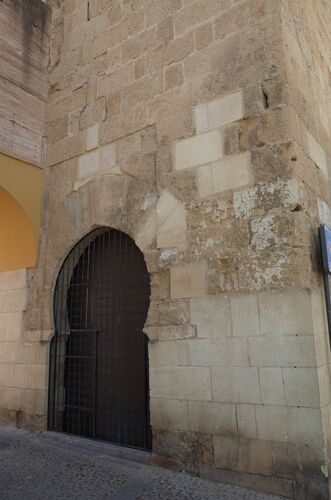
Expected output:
(169, 120)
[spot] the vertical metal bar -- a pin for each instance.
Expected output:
(95, 384)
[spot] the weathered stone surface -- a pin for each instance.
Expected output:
(198, 150)
(231, 173)
(200, 129)
(236, 385)
(171, 224)
(212, 317)
(187, 281)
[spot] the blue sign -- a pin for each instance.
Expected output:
(325, 237)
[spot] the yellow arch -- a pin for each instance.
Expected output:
(24, 182)
(17, 238)
(20, 200)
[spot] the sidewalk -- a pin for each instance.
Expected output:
(42, 467)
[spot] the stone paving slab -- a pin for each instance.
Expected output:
(41, 467)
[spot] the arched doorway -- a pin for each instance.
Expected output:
(98, 357)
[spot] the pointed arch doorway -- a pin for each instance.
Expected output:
(98, 356)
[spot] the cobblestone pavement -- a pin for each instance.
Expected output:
(41, 466)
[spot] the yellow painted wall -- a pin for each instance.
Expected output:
(24, 182)
(17, 238)
(20, 200)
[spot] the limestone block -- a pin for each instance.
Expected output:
(169, 414)
(282, 351)
(245, 455)
(324, 212)
(35, 352)
(176, 332)
(319, 313)
(256, 200)
(245, 315)
(136, 22)
(203, 36)
(7, 374)
(187, 281)
(301, 387)
(231, 173)
(212, 418)
(32, 335)
(173, 76)
(205, 181)
(212, 316)
(8, 352)
(174, 312)
(88, 164)
(9, 398)
(324, 386)
(136, 46)
(158, 11)
(322, 347)
(205, 352)
(263, 232)
(10, 326)
(97, 161)
(297, 313)
(171, 224)
(296, 425)
(194, 383)
(225, 110)
(200, 117)
(13, 300)
(198, 150)
(21, 375)
(160, 284)
(272, 391)
(147, 233)
(92, 137)
(37, 376)
(235, 385)
(33, 401)
(191, 383)
(164, 382)
(108, 157)
(271, 313)
(11, 280)
(163, 353)
(174, 51)
(246, 421)
(116, 81)
(151, 332)
(317, 154)
(272, 422)
(200, 11)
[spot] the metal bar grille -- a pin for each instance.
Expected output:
(98, 357)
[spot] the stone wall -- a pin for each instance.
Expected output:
(23, 79)
(308, 66)
(22, 361)
(175, 122)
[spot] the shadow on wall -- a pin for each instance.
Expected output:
(17, 237)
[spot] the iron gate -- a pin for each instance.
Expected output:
(98, 357)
